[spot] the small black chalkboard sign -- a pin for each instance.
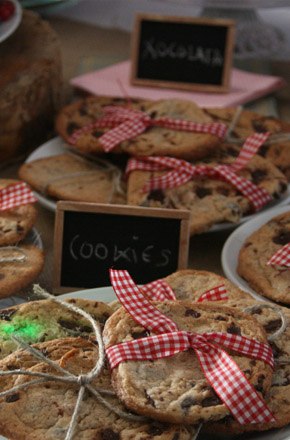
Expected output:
(182, 53)
(91, 238)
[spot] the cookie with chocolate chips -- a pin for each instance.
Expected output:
(190, 284)
(210, 200)
(84, 112)
(269, 281)
(278, 400)
(157, 141)
(277, 149)
(43, 320)
(69, 176)
(174, 388)
(44, 411)
(15, 223)
(19, 266)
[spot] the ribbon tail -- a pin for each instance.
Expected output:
(233, 388)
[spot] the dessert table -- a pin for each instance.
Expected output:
(86, 48)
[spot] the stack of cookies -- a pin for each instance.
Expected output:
(89, 164)
(21, 260)
(164, 398)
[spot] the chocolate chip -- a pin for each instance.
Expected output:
(72, 127)
(258, 176)
(109, 434)
(273, 325)
(138, 335)
(11, 367)
(210, 401)
(176, 436)
(153, 114)
(83, 110)
(277, 352)
(282, 238)
(220, 318)
(223, 191)
(6, 314)
(157, 195)
(12, 398)
(193, 313)
(202, 192)
(69, 325)
(97, 134)
(156, 429)
(19, 228)
(259, 126)
(149, 399)
(259, 386)
(263, 150)
(234, 329)
(2, 276)
(187, 403)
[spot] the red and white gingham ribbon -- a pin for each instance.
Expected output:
(14, 195)
(159, 290)
(218, 293)
(128, 123)
(281, 257)
(220, 370)
(183, 171)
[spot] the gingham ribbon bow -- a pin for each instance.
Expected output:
(184, 171)
(126, 123)
(14, 195)
(281, 257)
(159, 290)
(220, 370)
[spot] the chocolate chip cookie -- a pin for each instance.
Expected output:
(174, 388)
(276, 149)
(69, 176)
(269, 281)
(210, 200)
(45, 410)
(43, 320)
(19, 266)
(155, 140)
(16, 222)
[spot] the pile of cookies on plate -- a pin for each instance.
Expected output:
(88, 170)
(20, 255)
(166, 398)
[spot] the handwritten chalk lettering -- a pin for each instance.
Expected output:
(156, 49)
(80, 249)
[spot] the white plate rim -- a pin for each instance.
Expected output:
(233, 244)
(57, 146)
(8, 27)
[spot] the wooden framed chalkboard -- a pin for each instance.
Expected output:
(182, 53)
(91, 238)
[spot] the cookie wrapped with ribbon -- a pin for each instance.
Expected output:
(186, 362)
(167, 127)
(214, 192)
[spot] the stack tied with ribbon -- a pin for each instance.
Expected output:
(17, 217)
(264, 258)
(186, 362)
(61, 389)
(214, 191)
(171, 127)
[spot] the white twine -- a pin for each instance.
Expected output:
(233, 123)
(12, 259)
(82, 380)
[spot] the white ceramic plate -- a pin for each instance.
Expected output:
(8, 27)
(58, 146)
(235, 241)
(106, 294)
